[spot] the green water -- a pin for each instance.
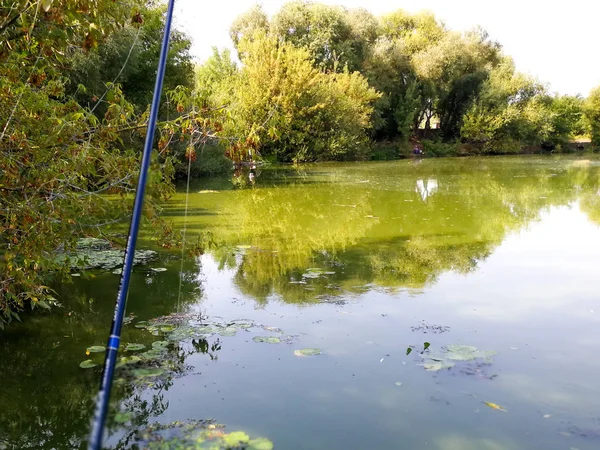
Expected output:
(361, 261)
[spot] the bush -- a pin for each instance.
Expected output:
(439, 149)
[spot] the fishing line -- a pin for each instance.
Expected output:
(112, 348)
(183, 234)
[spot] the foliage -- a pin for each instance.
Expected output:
(436, 148)
(129, 57)
(592, 116)
(65, 171)
(288, 108)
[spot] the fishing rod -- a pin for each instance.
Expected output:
(112, 348)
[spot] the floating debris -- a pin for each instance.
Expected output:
(495, 406)
(431, 328)
(198, 434)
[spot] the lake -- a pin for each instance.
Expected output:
(445, 304)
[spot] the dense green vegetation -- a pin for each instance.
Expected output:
(69, 141)
(314, 82)
(454, 93)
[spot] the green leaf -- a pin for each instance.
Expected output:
(128, 360)
(235, 438)
(43, 304)
(160, 345)
(308, 352)
(134, 347)
(408, 351)
(426, 345)
(123, 417)
(87, 364)
(267, 339)
(152, 372)
(260, 444)
(96, 349)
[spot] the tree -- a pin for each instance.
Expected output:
(247, 24)
(129, 57)
(289, 109)
(58, 160)
(592, 116)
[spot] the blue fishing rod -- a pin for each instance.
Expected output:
(112, 348)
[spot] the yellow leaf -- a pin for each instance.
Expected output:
(495, 406)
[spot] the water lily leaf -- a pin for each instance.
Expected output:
(437, 366)
(128, 360)
(87, 364)
(229, 331)
(308, 352)
(96, 349)
(160, 345)
(260, 444)
(166, 328)
(235, 438)
(152, 372)
(267, 339)
(123, 417)
(134, 347)
(273, 329)
(461, 352)
(141, 324)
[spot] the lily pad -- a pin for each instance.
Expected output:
(141, 324)
(467, 353)
(235, 438)
(125, 360)
(87, 364)
(260, 444)
(308, 352)
(267, 339)
(151, 372)
(229, 331)
(273, 329)
(160, 345)
(134, 347)
(96, 349)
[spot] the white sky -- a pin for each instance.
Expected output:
(556, 41)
